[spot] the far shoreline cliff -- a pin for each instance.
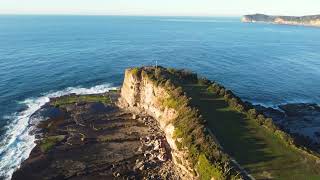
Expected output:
(312, 20)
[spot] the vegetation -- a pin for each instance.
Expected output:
(47, 143)
(206, 170)
(263, 149)
(71, 99)
(263, 152)
(205, 154)
(135, 71)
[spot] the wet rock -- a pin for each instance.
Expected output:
(45, 113)
(101, 142)
(270, 112)
(139, 165)
(116, 174)
(302, 120)
(70, 168)
(301, 109)
(99, 108)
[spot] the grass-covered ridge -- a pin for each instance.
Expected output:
(205, 154)
(263, 149)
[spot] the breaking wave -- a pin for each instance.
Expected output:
(17, 143)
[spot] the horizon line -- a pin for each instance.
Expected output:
(144, 15)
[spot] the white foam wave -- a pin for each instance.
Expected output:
(276, 105)
(17, 143)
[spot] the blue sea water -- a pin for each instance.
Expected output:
(47, 56)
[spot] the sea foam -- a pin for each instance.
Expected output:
(17, 143)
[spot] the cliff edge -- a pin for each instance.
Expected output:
(195, 150)
(163, 124)
(211, 132)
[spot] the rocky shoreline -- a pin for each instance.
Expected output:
(301, 120)
(96, 140)
(151, 129)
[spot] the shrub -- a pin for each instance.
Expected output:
(211, 89)
(240, 108)
(222, 92)
(157, 73)
(177, 92)
(227, 97)
(207, 170)
(284, 136)
(270, 125)
(233, 102)
(170, 103)
(261, 119)
(203, 81)
(252, 113)
(168, 84)
(188, 75)
(135, 71)
(214, 88)
(172, 70)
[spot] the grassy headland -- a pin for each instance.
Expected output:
(256, 148)
(238, 131)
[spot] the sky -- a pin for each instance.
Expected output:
(161, 7)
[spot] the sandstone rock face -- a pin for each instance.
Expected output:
(141, 95)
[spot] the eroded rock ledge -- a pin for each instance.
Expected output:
(89, 137)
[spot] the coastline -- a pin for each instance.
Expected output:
(20, 140)
(90, 128)
(283, 24)
(307, 21)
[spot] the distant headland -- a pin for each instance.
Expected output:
(313, 20)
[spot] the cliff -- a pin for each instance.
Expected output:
(140, 95)
(164, 124)
(151, 91)
(313, 20)
(211, 132)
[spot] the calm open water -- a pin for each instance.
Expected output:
(48, 56)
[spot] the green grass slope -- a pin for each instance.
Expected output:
(257, 149)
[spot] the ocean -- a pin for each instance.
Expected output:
(50, 56)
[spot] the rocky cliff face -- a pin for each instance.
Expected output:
(140, 95)
(289, 20)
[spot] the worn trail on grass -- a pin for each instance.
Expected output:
(254, 147)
